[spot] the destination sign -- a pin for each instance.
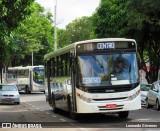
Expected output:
(106, 45)
(91, 80)
(109, 45)
(38, 68)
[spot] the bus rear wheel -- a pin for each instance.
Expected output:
(123, 114)
(53, 104)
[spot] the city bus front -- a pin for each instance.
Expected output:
(38, 79)
(107, 78)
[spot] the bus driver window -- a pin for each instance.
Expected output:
(121, 68)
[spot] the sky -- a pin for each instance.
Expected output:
(69, 10)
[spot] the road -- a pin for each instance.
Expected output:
(34, 109)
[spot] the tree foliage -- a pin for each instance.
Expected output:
(33, 35)
(78, 30)
(12, 12)
(110, 19)
(144, 22)
(138, 19)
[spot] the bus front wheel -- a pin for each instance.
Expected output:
(123, 114)
(70, 109)
(27, 91)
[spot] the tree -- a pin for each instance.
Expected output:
(135, 19)
(12, 12)
(110, 19)
(33, 35)
(78, 30)
(144, 23)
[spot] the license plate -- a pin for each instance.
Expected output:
(111, 105)
(8, 99)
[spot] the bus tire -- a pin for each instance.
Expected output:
(27, 91)
(70, 109)
(53, 104)
(123, 114)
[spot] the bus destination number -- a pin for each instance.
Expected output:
(108, 45)
(91, 80)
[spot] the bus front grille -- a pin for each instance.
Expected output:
(105, 99)
(109, 90)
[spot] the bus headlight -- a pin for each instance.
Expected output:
(88, 100)
(131, 97)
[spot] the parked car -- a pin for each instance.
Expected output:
(9, 94)
(153, 96)
(144, 91)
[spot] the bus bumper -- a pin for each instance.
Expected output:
(108, 106)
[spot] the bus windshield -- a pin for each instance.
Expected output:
(38, 75)
(107, 69)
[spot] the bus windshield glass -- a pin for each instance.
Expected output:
(38, 75)
(107, 69)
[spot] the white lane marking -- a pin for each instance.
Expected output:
(83, 129)
(72, 124)
(140, 120)
(54, 116)
(62, 120)
(143, 119)
(47, 113)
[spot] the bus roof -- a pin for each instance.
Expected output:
(23, 67)
(72, 46)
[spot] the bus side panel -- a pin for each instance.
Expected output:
(61, 92)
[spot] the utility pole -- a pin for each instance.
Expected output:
(55, 31)
(32, 58)
(1, 74)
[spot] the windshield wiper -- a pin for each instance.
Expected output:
(97, 60)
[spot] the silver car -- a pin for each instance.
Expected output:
(9, 94)
(144, 91)
(153, 96)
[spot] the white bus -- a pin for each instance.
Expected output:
(28, 79)
(102, 77)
